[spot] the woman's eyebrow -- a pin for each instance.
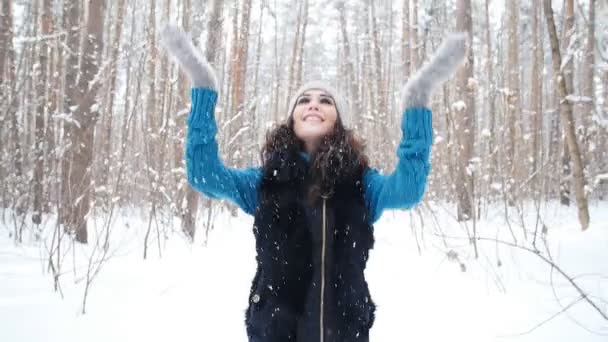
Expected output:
(324, 95)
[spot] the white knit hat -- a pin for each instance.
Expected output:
(341, 104)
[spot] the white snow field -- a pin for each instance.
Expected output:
(198, 292)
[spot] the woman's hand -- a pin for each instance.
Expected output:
(179, 45)
(417, 91)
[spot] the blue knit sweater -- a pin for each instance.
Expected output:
(402, 189)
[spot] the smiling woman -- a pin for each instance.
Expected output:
(314, 199)
(314, 116)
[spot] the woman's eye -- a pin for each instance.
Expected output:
(303, 100)
(326, 101)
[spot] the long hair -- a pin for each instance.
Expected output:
(339, 156)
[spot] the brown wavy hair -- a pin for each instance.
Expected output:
(340, 155)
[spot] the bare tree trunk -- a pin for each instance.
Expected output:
(4, 35)
(85, 115)
(55, 87)
(6, 38)
(71, 24)
(151, 120)
(30, 62)
(492, 165)
(405, 40)
(166, 114)
(388, 82)
(295, 57)
(110, 95)
(513, 97)
(567, 119)
(381, 116)
(302, 42)
(214, 39)
(130, 103)
(368, 75)
(414, 50)
(257, 117)
(568, 74)
(602, 140)
(214, 32)
(352, 89)
(41, 99)
(240, 71)
(152, 115)
(8, 84)
(602, 136)
(587, 91)
(277, 68)
(187, 197)
(465, 119)
(229, 71)
(537, 94)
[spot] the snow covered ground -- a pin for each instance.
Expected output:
(195, 292)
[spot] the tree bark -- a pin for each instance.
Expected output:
(166, 115)
(9, 87)
(405, 40)
(71, 51)
(110, 95)
(152, 114)
(45, 22)
(257, 117)
(567, 119)
(414, 50)
(568, 74)
(587, 91)
(292, 83)
(187, 197)
(85, 116)
(348, 60)
(240, 59)
(55, 87)
(537, 94)
(302, 42)
(368, 76)
(214, 32)
(513, 98)
(6, 37)
(465, 126)
(378, 73)
(492, 164)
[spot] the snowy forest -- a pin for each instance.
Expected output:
(93, 123)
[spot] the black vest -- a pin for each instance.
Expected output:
(311, 257)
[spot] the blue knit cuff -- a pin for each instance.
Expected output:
(417, 123)
(203, 108)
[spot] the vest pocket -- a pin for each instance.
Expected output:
(355, 307)
(267, 319)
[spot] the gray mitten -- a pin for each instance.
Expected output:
(179, 45)
(450, 55)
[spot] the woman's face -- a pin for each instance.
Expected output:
(314, 116)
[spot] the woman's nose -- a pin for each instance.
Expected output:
(313, 104)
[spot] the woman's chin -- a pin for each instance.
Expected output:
(312, 132)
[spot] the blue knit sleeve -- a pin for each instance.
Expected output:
(405, 186)
(206, 172)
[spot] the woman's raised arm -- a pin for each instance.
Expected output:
(405, 186)
(206, 172)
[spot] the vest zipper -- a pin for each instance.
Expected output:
(321, 316)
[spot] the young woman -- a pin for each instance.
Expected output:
(314, 199)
